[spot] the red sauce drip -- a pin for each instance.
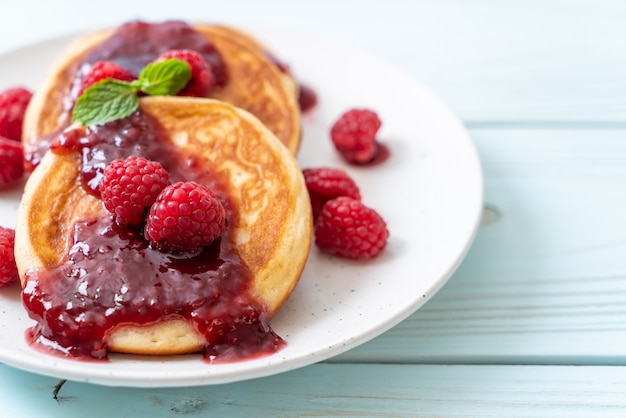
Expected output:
(111, 276)
(307, 98)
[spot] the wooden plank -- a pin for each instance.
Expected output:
(549, 61)
(341, 390)
(545, 282)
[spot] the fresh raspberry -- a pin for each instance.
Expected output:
(102, 70)
(11, 162)
(130, 186)
(354, 135)
(348, 228)
(8, 268)
(202, 78)
(13, 103)
(325, 184)
(185, 217)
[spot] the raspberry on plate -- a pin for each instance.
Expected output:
(185, 217)
(11, 162)
(8, 268)
(13, 103)
(348, 228)
(202, 78)
(101, 70)
(325, 184)
(354, 135)
(130, 186)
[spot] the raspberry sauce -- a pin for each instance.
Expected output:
(307, 98)
(137, 134)
(111, 276)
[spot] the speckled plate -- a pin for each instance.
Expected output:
(429, 191)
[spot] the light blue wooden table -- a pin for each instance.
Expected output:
(534, 321)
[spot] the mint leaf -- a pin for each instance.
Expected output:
(105, 101)
(164, 77)
(112, 99)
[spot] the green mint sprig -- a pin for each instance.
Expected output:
(112, 99)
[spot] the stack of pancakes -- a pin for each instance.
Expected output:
(248, 131)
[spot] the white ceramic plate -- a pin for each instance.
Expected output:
(429, 192)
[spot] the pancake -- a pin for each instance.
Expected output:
(228, 32)
(253, 82)
(271, 232)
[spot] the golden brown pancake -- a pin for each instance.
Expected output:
(255, 84)
(272, 232)
(228, 32)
